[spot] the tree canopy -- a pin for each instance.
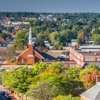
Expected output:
(20, 40)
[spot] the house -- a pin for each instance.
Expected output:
(91, 42)
(73, 42)
(93, 93)
(47, 43)
(2, 42)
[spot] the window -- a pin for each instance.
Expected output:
(72, 65)
(22, 61)
(98, 59)
(89, 59)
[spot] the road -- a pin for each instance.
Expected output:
(2, 97)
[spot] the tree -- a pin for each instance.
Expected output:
(73, 73)
(69, 97)
(10, 29)
(3, 35)
(47, 85)
(88, 75)
(79, 41)
(0, 31)
(56, 67)
(8, 53)
(81, 35)
(97, 31)
(89, 69)
(20, 40)
(53, 81)
(53, 37)
(96, 39)
(43, 36)
(90, 79)
(46, 90)
(18, 80)
(66, 36)
(39, 67)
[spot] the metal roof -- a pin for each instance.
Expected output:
(92, 93)
(90, 47)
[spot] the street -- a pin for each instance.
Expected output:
(2, 97)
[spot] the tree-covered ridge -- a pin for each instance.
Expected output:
(59, 29)
(63, 15)
(51, 82)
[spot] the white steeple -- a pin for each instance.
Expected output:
(30, 36)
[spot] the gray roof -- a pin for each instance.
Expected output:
(90, 47)
(92, 93)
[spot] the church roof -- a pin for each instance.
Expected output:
(44, 55)
(92, 93)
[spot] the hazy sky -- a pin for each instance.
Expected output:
(50, 6)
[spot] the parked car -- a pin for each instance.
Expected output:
(7, 96)
(2, 92)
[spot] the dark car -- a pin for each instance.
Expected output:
(2, 92)
(7, 96)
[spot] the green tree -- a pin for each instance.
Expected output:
(3, 35)
(46, 90)
(20, 39)
(53, 37)
(56, 67)
(48, 85)
(66, 36)
(69, 97)
(73, 73)
(18, 80)
(79, 41)
(39, 67)
(96, 39)
(10, 29)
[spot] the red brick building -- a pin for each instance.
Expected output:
(85, 55)
(30, 55)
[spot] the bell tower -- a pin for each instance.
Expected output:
(31, 57)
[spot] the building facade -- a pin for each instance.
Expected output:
(86, 55)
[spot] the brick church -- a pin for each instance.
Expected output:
(32, 55)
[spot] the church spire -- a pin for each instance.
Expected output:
(30, 36)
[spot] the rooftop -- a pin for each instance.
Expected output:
(89, 53)
(89, 47)
(58, 59)
(92, 93)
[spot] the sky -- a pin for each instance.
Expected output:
(52, 6)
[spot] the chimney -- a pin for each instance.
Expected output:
(97, 78)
